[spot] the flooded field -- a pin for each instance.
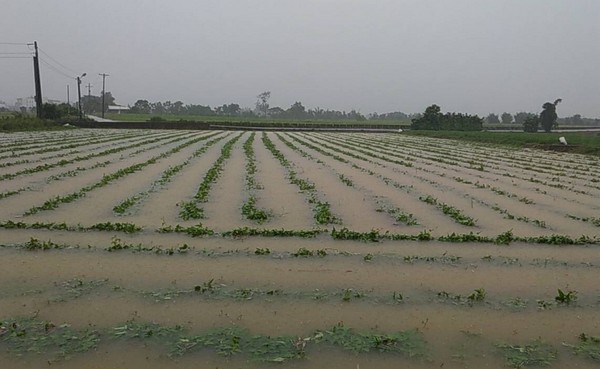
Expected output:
(188, 249)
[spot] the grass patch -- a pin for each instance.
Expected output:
(580, 142)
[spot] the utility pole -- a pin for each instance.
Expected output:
(38, 83)
(68, 102)
(89, 86)
(79, 94)
(104, 75)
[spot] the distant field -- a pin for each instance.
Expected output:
(242, 120)
(579, 142)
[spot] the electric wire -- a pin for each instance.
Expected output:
(57, 62)
(14, 43)
(53, 68)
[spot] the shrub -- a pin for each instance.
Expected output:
(531, 124)
(156, 118)
(434, 120)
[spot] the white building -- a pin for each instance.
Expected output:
(117, 109)
(25, 102)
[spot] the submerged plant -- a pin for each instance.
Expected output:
(28, 335)
(408, 343)
(537, 353)
(588, 346)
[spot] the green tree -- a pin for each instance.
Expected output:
(177, 108)
(531, 124)
(93, 104)
(141, 107)
(262, 103)
(492, 119)
(433, 119)
(576, 119)
(506, 118)
(228, 109)
(354, 115)
(296, 111)
(522, 116)
(548, 116)
(157, 108)
(198, 110)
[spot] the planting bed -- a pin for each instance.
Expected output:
(186, 249)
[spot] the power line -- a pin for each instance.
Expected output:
(57, 62)
(19, 53)
(15, 57)
(53, 68)
(14, 43)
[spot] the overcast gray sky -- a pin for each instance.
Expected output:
(472, 56)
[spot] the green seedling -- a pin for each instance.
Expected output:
(566, 298)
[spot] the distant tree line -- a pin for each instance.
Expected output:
(295, 111)
(298, 111)
(434, 119)
(520, 118)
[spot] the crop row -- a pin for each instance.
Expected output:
(494, 190)
(27, 335)
(465, 159)
(321, 210)
(117, 245)
(165, 178)
(215, 290)
(60, 341)
(82, 142)
(398, 214)
(191, 209)
(249, 209)
(63, 162)
(106, 179)
(375, 235)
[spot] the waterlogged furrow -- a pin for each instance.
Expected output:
(107, 179)
(384, 204)
(357, 208)
(249, 209)
(451, 211)
(79, 288)
(503, 180)
(516, 212)
(60, 163)
(192, 209)
(466, 158)
(39, 140)
(76, 144)
(165, 178)
(321, 210)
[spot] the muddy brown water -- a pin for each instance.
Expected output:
(353, 283)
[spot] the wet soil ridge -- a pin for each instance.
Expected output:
(216, 248)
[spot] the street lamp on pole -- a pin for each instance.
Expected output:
(79, 93)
